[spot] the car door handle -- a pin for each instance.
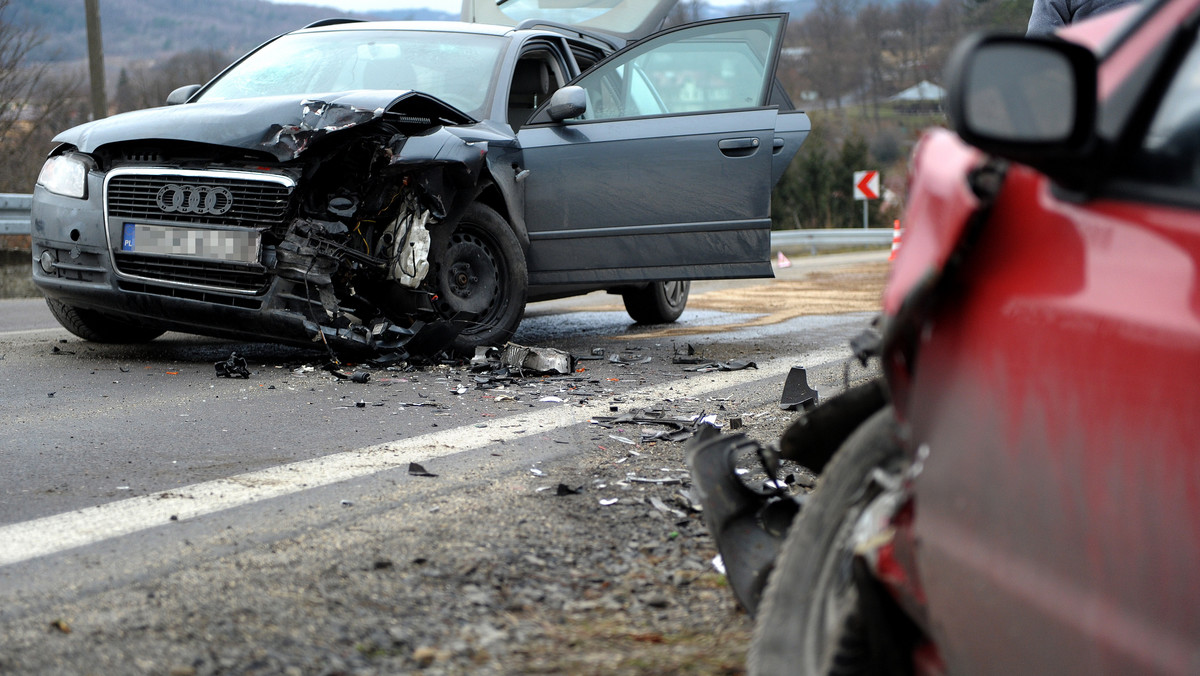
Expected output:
(738, 147)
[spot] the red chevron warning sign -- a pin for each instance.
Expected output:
(866, 185)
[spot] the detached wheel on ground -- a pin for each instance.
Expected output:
(657, 302)
(100, 328)
(815, 618)
(481, 271)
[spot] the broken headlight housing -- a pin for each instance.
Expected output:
(66, 175)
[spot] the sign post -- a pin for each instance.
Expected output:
(866, 187)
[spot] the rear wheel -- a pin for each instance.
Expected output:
(815, 617)
(98, 327)
(658, 302)
(481, 274)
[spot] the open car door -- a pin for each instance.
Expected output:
(667, 173)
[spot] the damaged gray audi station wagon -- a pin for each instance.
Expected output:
(401, 187)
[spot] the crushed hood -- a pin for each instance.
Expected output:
(284, 126)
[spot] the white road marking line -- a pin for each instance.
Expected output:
(52, 534)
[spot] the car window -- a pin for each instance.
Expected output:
(454, 67)
(1170, 151)
(705, 68)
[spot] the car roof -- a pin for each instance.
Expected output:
(430, 26)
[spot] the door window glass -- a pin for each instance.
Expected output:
(714, 66)
(1170, 152)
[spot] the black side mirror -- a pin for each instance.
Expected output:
(566, 103)
(1028, 99)
(182, 94)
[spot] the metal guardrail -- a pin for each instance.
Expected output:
(15, 220)
(14, 213)
(831, 238)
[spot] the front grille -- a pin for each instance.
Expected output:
(248, 303)
(213, 274)
(256, 203)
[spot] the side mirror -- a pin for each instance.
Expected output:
(1027, 99)
(182, 94)
(566, 103)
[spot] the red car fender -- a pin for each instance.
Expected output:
(952, 187)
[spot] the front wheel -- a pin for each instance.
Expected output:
(658, 302)
(815, 617)
(481, 275)
(100, 328)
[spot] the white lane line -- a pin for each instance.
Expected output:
(60, 532)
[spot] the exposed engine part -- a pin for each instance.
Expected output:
(406, 243)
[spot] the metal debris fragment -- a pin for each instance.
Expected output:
(628, 358)
(537, 360)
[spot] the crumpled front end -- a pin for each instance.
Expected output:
(320, 228)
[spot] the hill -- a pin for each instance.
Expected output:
(146, 29)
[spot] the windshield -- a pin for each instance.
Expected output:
(457, 68)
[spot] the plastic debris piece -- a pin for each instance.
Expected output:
(536, 472)
(347, 503)
(627, 358)
(735, 365)
(360, 377)
(605, 502)
(417, 470)
(564, 489)
(719, 564)
(623, 440)
(796, 392)
(233, 367)
(735, 423)
(666, 481)
(662, 507)
(552, 400)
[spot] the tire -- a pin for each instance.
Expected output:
(814, 618)
(101, 328)
(481, 271)
(658, 302)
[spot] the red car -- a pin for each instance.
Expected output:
(1021, 492)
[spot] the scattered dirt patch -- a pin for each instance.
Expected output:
(853, 289)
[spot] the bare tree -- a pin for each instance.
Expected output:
(34, 103)
(833, 63)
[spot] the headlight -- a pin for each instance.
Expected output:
(65, 175)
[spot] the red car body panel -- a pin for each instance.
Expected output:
(1054, 405)
(1061, 493)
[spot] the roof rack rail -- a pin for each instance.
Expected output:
(609, 40)
(332, 22)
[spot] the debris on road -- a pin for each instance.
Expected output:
(796, 392)
(233, 367)
(415, 469)
(629, 358)
(537, 360)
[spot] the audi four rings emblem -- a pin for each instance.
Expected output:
(194, 199)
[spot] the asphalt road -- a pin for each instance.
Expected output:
(122, 461)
